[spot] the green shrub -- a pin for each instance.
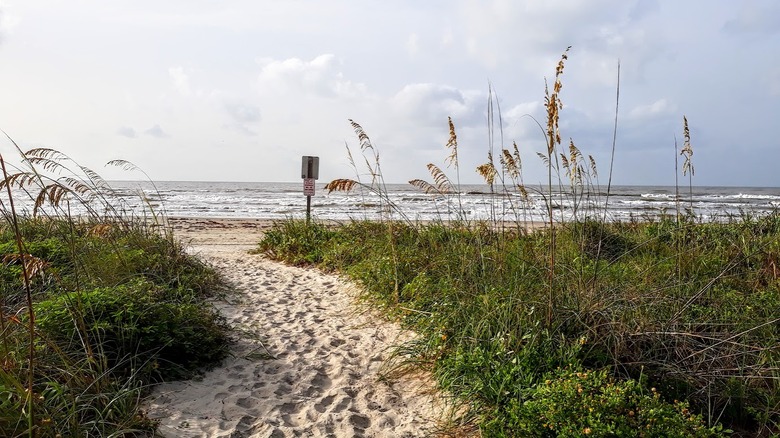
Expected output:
(575, 403)
(135, 321)
(296, 242)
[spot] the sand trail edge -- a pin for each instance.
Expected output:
(306, 362)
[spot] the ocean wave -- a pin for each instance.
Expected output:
(663, 196)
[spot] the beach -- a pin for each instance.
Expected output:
(308, 361)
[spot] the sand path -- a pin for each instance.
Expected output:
(306, 363)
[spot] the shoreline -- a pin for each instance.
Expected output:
(197, 225)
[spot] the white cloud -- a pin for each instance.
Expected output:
(320, 77)
(413, 45)
(447, 38)
(156, 131)
(660, 107)
(243, 117)
(126, 131)
(430, 104)
(181, 82)
(522, 109)
(755, 18)
(244, 113)
(518, 124)
(8, 21)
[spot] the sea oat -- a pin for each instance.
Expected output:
(341, 185)
(687, 150)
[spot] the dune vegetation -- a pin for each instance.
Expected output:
(97, 302)
(664, 325)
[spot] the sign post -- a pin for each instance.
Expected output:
(310, 172)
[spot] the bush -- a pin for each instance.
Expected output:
(571, 403)
(134, 320)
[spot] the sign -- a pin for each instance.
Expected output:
(310, 171)
(310, 167)
(308, 187)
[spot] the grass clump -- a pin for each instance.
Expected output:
(94, 308)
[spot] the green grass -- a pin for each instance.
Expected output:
(95, 308)
(668, 326)
(115, 311)
(674, 311)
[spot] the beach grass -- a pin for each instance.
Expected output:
(702, 328)
(94, 308)
(580, 326)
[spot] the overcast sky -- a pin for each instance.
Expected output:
(239, 90)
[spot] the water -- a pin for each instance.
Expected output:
(282, 200)
(475, 202)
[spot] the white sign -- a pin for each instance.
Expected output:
(308, 187)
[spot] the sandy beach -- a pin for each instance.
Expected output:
(307, 361)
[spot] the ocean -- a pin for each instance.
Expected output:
(473, 202)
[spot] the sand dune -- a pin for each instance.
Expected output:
(307, 362)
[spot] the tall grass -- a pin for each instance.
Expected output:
(94, 306)
(668, 326)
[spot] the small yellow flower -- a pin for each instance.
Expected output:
(586, 431)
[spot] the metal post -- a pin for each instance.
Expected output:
(309, 172)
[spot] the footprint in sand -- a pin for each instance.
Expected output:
(322, 375)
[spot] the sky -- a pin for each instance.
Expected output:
(239, 90)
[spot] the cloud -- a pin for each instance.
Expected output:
(243, 113)
(519, 120)
(660, 107)
(242, 116)
(529, 36)
(413, 44)
(447, 38)
(126, 131)
(156, 131)
(642, 9)
(755, 19)
(7, 22)
(181, 82)
(319, 77)
(774, 82)
(430, 104)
